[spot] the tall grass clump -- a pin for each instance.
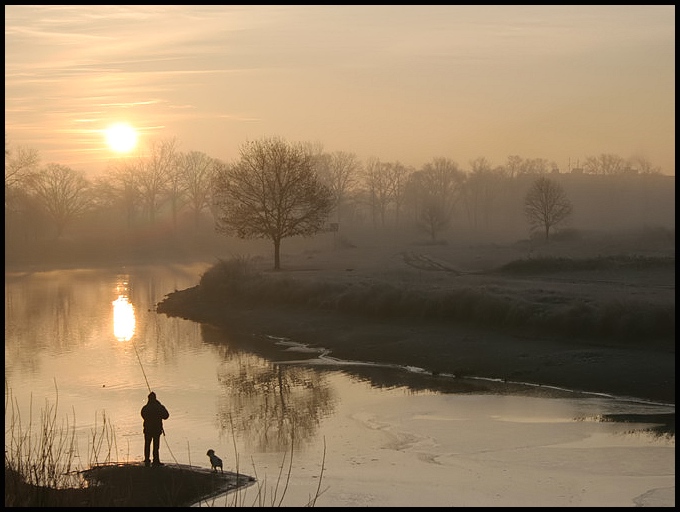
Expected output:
(229, 277)
(41, 454)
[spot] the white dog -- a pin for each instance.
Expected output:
(215, 461)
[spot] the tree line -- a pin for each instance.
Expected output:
(278, 189)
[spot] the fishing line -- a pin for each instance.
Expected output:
(167, 445)
(141, 366)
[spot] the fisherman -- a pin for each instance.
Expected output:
(153, 413)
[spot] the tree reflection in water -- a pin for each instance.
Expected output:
(268, 404)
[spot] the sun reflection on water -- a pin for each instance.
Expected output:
(123, 315)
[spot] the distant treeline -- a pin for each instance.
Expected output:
(162, 203)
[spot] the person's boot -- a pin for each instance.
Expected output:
(147, 463)
(157, 463)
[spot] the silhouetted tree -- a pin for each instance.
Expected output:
(339, 172)
(643, 166)
(197, 171)
(124, 178)
(63, 192)
(398, 175)
(482, 188)
(20, 162)
(154, 173)
(536, 166)
(385, 183)
(513, 166)
(377, 188)
(434, 191)
(271, 192)
(546, 205)
(605, 164)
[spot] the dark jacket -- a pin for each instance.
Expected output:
(154, 413)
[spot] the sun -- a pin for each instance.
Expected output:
(121, 137)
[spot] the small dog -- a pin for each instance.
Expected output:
(215, 461)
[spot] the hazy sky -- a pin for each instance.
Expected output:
(406, 83)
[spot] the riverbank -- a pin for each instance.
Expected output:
(128, 485)
(622, 297)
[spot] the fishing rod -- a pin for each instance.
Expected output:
(167, 445)
(126, 333)
(141, 366)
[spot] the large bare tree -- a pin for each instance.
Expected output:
(272, 192)
(546, 205)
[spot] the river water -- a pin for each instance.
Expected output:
(89, 344)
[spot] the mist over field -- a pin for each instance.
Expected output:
(457, 199)
(637, 209)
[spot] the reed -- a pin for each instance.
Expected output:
(41, 469)
(39, 454)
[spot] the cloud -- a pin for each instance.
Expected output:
(323, 70)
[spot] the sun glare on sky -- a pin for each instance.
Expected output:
(412, 83)
(121, 137)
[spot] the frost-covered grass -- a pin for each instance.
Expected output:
(552, 309)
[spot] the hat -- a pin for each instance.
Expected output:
(152, 396)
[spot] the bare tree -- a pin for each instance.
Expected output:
(536, 166)
(643, 166)
(20, 163)
(174, 188)
(434, 192)
(398, 174)
(154, 174)
(604, 164)
(197, 170)
(513, 166)
(482, 189)
(272, 192)
(546, 205)
(63, 192)
(378, 190)
(339, 172)
(385, 183)
(124, 179)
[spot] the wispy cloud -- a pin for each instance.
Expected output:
(215, 73)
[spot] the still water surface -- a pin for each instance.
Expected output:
(92, 340)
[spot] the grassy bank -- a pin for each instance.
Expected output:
(547, 307)
(604, 331)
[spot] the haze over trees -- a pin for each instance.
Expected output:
(339, 171)
(272, 192)
(196, 171)
(546, 205)
(163, 202)
(434, 193)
